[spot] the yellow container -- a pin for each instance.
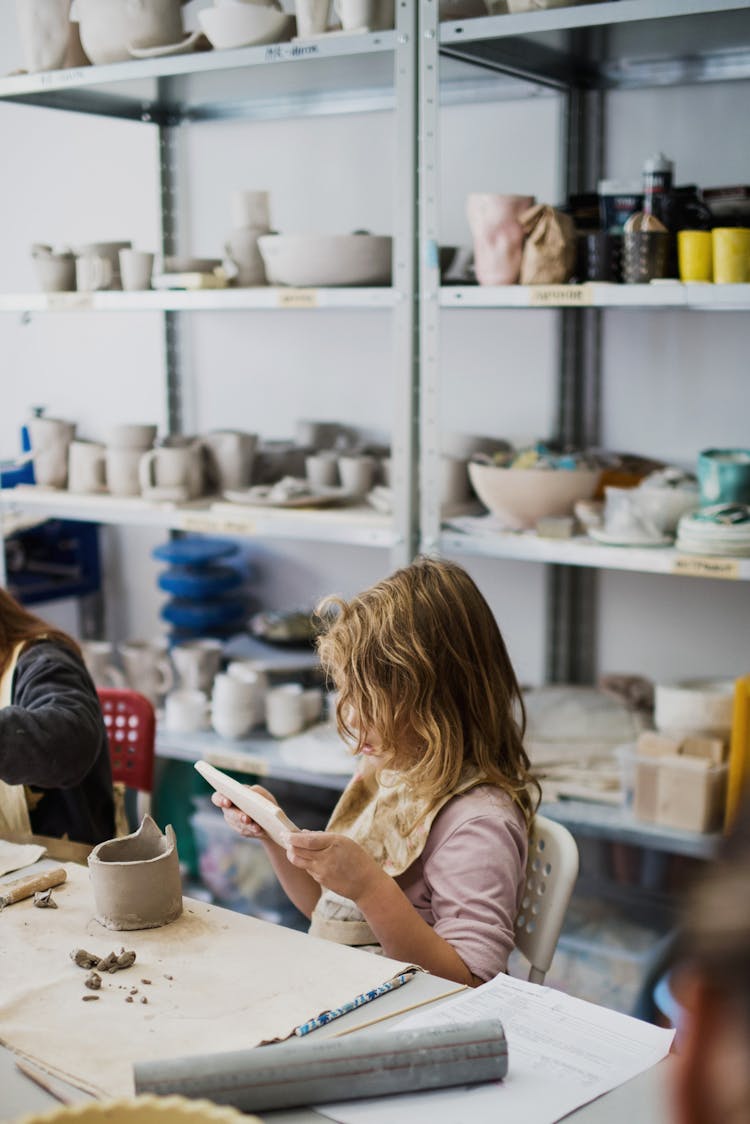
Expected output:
(739, 749)
(731, 247)
(695, 255)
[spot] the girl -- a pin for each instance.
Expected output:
(55, 774)
(424, 857)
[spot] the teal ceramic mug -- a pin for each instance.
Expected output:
(724, 476)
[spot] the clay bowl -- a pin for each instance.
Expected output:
(311, 260)
(523, 496)
(136, 879)
(233, 24)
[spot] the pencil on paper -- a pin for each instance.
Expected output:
(367, 997)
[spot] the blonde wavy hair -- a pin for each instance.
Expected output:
(419, 658)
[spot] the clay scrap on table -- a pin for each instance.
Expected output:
(136, 879)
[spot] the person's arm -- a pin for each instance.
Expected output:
(302, 890)
(51, 735)
(345, 867)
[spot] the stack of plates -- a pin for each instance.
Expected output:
(722, 529)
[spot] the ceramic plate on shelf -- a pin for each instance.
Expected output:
(602, 536)
(195, 41)
(259, 496)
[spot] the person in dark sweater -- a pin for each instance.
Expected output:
(55, 776)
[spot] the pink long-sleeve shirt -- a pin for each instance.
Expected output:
(468, 882)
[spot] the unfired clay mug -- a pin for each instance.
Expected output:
(312, 17)
(147, 668)
(229, 454)
(498, 236)
(86, 467)
(172, 472)
(121, 471)
(93, 271)
(136, 268)
(50, 440)
(377, 15)
(98, 655)
(285, 710)
(242, 249)
(197, 662)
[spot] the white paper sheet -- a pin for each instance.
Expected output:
(562, 1053)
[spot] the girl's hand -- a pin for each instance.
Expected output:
(336, 862)
(238, 820)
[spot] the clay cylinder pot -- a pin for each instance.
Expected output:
(136, 879)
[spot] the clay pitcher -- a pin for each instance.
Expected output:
(136, 879)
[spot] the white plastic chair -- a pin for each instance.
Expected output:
(551, 873)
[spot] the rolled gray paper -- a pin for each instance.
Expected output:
(369, 1064)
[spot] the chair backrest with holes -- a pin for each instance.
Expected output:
(551, 873)
(131, 729)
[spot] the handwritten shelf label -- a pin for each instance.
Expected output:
(696, 566)
(63, 302)
(213, 524)
(298, 298)
(560, 296)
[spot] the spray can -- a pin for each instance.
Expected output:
(658, 173)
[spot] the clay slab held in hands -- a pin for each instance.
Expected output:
(269, 816)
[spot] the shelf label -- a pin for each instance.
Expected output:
(203, 522)
(696, 566)
(298, 298)
(67, 301)
(560, 296)
(280, 51)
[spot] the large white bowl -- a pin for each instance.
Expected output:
(694, 706)
(523, 496)
(239, 24)
(311, 260)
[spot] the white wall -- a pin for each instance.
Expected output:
(673, 383)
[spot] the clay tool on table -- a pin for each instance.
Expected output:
(354, 1004)
(45, 1081)
(298, 1072)
(21, 888)
(264, 812)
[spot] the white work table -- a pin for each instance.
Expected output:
(644, 1099)
(33, 1017)
(241, 944)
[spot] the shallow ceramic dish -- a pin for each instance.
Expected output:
(244, 25)
(312, 260)
(257, 496)
(609, 539)
(194, 41)
(523, 496)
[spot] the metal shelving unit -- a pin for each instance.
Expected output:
(356, 526)
(577, 54)
(340, 75)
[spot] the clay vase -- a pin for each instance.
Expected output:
(136, 879)
(498, 236)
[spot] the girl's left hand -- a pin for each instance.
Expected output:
(336, 862)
